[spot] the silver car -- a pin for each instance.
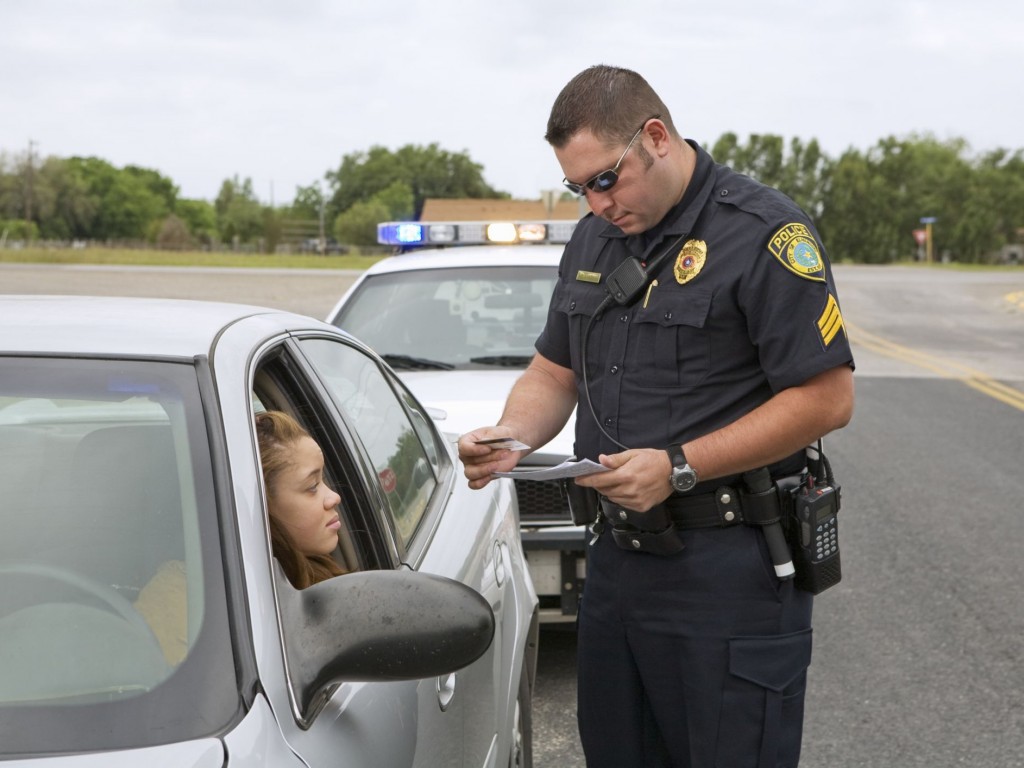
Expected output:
(458, 324)
(143, 618)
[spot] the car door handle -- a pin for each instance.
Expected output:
(445, 691)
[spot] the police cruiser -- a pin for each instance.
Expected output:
(458, 325)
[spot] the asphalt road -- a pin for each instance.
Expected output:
(918, 651)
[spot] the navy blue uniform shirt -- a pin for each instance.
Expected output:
(746, 308)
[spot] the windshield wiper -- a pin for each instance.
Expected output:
(407, 362)
(506, 361)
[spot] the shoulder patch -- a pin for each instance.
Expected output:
(796, 249)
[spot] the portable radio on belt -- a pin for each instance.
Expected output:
(813, 527)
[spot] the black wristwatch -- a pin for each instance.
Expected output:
(683, 477)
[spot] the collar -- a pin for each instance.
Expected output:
(681, 217)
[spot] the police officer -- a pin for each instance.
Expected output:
(731, 355)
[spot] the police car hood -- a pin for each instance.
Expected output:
(461, 401)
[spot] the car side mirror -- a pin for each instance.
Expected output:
(379, 626)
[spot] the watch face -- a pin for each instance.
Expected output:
(683, 478)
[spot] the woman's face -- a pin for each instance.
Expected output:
(303, 504)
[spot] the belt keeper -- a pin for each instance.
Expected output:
(762, 508)
(728, 502)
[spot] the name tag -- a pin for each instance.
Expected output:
(588, 277)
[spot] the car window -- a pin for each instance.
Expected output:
(463, 317)
(109, 590)
(405, 463)
(274, 389)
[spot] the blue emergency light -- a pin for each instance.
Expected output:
(401, 233)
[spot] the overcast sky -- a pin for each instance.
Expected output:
(278, 91)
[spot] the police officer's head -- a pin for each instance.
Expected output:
(617, 144)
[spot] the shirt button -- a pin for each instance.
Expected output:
(614, 369)
(572, 305)
(624, 319)
(668, 315)
(724, 193)
(609, 421)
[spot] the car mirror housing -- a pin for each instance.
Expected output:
(380, 626)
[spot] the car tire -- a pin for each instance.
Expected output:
(521, 753)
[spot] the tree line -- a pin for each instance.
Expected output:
(866, 204)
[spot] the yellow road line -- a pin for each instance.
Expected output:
(949, 369)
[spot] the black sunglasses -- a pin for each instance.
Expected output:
(604, 180)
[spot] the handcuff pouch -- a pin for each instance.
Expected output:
(663, 542)
(651, 531)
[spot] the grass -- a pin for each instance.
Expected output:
(125, 256)
(355, 260)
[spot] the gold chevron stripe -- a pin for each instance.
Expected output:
(831, 321)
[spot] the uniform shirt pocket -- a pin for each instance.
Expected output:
(579, 304)
(670, 347)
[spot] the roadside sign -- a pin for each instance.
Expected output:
(388, 479)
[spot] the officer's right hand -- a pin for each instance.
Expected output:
(638, 478)
(481, 461)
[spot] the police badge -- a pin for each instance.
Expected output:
(690, 260)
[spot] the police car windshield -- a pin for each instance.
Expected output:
(465, 317)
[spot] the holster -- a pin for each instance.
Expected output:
(651, 531)
(582, 502)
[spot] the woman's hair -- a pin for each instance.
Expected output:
(277, 433)
(610, 102)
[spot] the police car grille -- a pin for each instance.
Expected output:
(541, 501)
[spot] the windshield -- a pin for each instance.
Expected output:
(466, 317)
(113, 620)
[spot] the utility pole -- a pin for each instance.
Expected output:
(323, 235)
(28, 185)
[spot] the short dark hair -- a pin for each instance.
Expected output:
(611, 102)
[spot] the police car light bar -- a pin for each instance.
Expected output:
(420, 233)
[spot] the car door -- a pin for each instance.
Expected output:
(439, 526)
(395, 476)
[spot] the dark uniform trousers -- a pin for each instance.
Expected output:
(693, 660)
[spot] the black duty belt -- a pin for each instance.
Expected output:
(722, 508)
(707, 510)
(654, 531)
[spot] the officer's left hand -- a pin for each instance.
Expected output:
(639, 478)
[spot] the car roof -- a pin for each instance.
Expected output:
(125, 326)
(470, 256)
